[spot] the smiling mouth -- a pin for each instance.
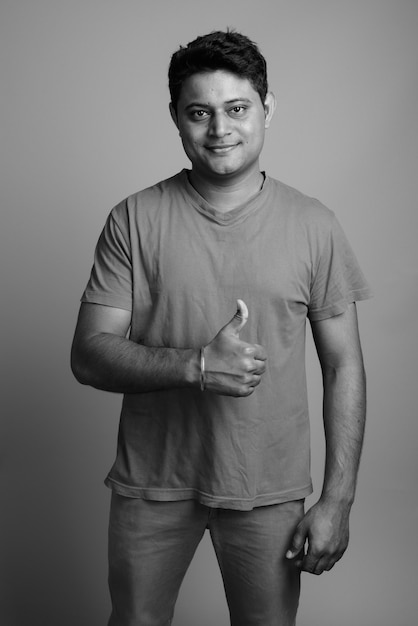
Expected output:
(222, 149)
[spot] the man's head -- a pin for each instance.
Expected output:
(229, 51)
(220, 105)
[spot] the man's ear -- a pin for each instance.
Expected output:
(173, 114)
(269, 108)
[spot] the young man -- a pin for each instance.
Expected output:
(214, 431)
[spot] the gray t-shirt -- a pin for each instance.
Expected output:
(179, 265)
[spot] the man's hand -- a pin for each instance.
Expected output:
(325, 528)
(234, 367)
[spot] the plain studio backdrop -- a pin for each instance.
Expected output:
(85, 122)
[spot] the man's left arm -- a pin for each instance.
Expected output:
(325, 526)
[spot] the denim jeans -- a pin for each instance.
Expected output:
(151, 545)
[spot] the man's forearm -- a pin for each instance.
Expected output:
(344, 421)
(102, 356)
(117, 364)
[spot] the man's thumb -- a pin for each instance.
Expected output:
(298, 543)
(240, 318)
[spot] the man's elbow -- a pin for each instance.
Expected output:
(79, 368)
(350, 370)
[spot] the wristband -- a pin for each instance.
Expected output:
(202, 368)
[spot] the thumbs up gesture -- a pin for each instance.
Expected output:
(234, 367)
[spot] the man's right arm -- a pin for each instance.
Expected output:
(102, 356)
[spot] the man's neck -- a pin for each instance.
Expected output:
(227, 194)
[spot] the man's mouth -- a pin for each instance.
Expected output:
(221, 148)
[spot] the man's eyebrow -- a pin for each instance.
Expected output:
(244, 100)
(196, 104)
(206, 105)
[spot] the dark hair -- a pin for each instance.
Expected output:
(218, 50)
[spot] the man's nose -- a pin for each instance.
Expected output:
(219, 126)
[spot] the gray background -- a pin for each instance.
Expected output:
(84, 107)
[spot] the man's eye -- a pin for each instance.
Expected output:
(238, 110)
(199, 114)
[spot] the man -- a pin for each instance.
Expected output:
(214, 430)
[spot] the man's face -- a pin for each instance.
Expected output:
(222, 123)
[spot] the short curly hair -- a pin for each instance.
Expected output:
(219, 50)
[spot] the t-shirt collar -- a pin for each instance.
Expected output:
(228, 217)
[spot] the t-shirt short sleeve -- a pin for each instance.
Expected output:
(337, 280)
(110, 280)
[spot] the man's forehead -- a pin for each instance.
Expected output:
(217, 85)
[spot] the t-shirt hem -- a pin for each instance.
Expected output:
(210, 500)
(106, 299)
(337, 308)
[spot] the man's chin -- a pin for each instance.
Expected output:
(223, 170)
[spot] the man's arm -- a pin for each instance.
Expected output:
(326, 525)
(102, 356)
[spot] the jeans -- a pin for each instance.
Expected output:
(151, 545)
